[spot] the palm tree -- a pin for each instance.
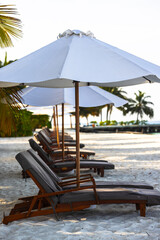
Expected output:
(9, 105)
(118, 92)
(86, 111)
(139, 106)
(10, 27)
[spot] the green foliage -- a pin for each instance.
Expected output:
(25, 123)
(113, 122)
(85, 112)
(94, 122)
(39, 121)
(116, 91)
(133, 122)
(122, 123)
(101, 123)
(108, 122)
(9, 105)
(139, 106)
(10, 26)
(143, 122)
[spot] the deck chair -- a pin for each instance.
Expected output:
(69, 164)
(99, 184)
(72, 151)
(52, 133)
(52, 199)
(52, 136)
(53, 144)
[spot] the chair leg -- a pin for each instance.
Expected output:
(102, 172)
(142, 207)
(137, 207)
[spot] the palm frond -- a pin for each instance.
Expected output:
(10, 103)
(10, 26)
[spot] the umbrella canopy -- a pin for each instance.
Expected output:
(49, 110)
(77, 56)
(90, 96)
(77, 59)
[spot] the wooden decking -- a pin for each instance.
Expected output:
(154, 128)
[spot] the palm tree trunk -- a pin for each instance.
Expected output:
(110, 112)
(137, 117)
(101, 115)
(87, 120)
(107, 113)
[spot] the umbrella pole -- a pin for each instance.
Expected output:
(57, 127)
(54, 122)
(70, 121)
(77, 133)
(63, 131)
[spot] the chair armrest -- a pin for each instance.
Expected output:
(72, 182)
(84, 175)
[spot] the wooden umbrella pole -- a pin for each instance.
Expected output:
(70, 121)
(77, 133)
(57, 127)
(63, 131)
(54, 121)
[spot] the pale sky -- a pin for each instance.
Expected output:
(131, 25)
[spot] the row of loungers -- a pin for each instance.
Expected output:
(49, 143)
(70, 163)
(62, 195)
(53, 156)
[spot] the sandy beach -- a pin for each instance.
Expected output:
(136, 158)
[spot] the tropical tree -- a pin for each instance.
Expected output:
(10, 27)
(116, 91)
(85, 112)
(95, 111)
(9, 106)
(139, 106)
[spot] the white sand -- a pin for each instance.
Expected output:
(136, 158)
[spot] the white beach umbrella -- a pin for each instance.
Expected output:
(77, 59)
(49, 110)
(77, 56)
(90, 96)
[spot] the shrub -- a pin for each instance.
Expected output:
(114, 122)
(94, 122)
(26, 123)
(39, 121)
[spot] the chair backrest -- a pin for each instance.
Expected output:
(44, 135)
(27, 162)
(43, 142)
(40, 151)
(46, 132)
(40, 161)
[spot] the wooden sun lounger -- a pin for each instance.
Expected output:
(53, 144)
(85, 154)
(100, 184)
(53, 199)
(70, 163)
(55, 151)
(53, 135)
